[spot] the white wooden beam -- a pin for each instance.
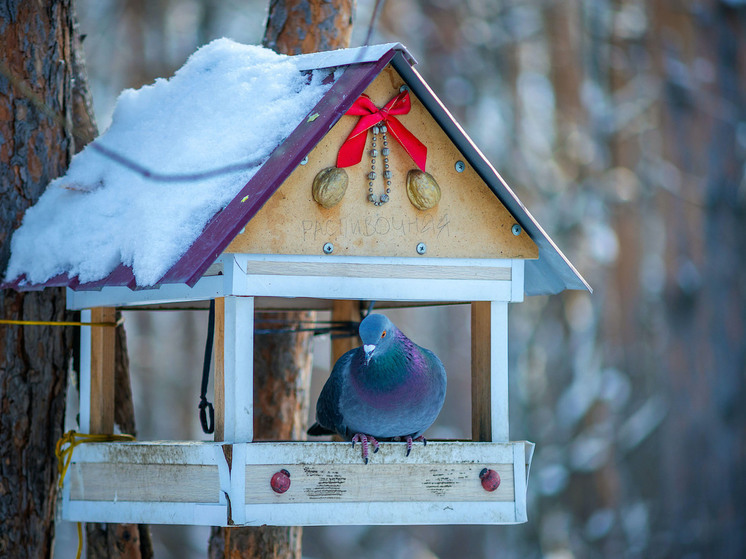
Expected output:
(85, 373)
(499, 371)
(238, 363)
(366, 278)
(517, 280)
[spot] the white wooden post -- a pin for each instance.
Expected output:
(85, 373)
(499, 370)
(238, 377)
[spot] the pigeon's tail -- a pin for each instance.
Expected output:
(317, 430)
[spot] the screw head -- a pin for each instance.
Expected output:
(421, 248)
(328, 248)
(280, 482)
(304, 160)
(460, 166)
(490, 479)
(516, 229)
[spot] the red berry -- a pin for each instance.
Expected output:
(280, 481)
(490, 479)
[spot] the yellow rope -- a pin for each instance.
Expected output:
(65, 456)
(73, 439)
(80, 541)
(61, 323)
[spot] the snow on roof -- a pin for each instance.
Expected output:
(228, 103)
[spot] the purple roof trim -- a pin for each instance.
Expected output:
(18, 284)
(225, 225)
(121, 276)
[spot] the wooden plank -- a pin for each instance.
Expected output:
(394, 483)
(155, 483)
(396, 271)
(521, 465)
(435, 452)
(102, 371)
(85, 371)
(481, 407)
(381, 514)
(297, 452)
(499, 371)
(149, 452)
(131, 512)
(378, 289)
(517, 280)
(347, 311)
(293, 514)
(238, 365)
(219, 368)
(469, 220)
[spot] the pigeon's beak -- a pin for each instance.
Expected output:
(368, 349)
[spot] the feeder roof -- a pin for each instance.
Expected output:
(188, 161)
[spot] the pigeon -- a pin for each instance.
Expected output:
(388, 389)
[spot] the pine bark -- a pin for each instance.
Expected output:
(304, 26)
(282, 362)
(45, 117)
(35, 147)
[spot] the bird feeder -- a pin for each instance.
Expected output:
(419, 218)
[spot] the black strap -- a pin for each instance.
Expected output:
(205, 407)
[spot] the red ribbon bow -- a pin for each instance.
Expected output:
(351, 152)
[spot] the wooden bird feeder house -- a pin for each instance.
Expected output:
(325, 221)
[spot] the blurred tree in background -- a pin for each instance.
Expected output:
(622, 126)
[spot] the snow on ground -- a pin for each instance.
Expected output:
(230, 103)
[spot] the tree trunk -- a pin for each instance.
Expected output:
(45, 117)
(304, 26)
(282, 362)
(35, 147)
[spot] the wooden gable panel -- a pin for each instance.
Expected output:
(468, 222)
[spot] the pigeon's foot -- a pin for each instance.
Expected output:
(409, 442)
(362, 438)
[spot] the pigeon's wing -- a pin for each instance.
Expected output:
(436, 365)
(329, 416)
(438, 372)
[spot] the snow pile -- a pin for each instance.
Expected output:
(230, 103)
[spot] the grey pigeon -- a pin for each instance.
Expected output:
(389, 388)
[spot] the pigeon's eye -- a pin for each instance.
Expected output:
(383, 334)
